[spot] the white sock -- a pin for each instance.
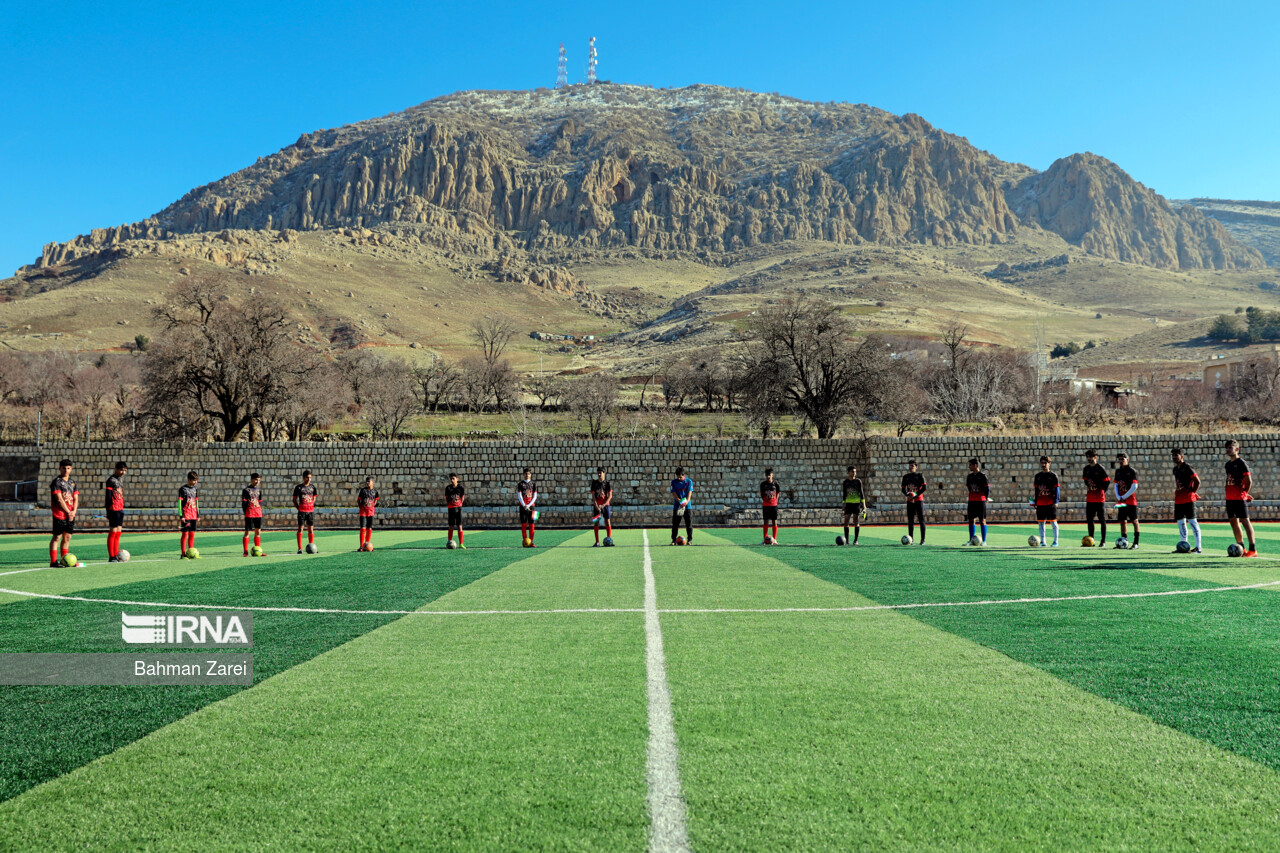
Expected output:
(1182, 529)
(1042, 531)
(1055, 533)
(1195, 528)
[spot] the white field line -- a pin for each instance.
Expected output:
(992, 602)
(668, 829)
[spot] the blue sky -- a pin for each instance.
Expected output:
(113, 110)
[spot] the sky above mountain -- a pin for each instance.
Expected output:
(115, 110)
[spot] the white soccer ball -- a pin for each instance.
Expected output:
(312, 549)
(123, 555)
(906, 540)
(1033, 540)
(839, 540)
(1235, 550)
(976, 541)
(451, 545)
(1122, 543)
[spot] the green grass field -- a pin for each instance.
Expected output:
(727, 696)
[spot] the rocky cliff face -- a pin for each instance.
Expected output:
(702, 169)
(1094, 204)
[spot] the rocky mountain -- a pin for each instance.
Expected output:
(1253, 223)
(702, 172)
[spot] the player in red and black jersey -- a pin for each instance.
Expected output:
(366, 506)
(454, 494)
(1096, 481)
(304, 501)
(114, 506)
(1186, 486)
(189, 507)
(251, 506)
(979, 489)
(1239, 481)
(602, 501)
(769, 492)
(64, 503)
(913, 487)
(1048, 491)
(1125, 488)
(527, 497)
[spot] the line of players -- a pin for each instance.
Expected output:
(1046, 494)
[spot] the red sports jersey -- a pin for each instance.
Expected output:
(251, 501)
(367, 500)
(769, 493)
(68, 489)
(453, 496)
(1096, 480)
(1046, 483)
(1126, 478)
(1236, 470)
(978, 485)
(305, 496)
(189, 497)
(1183, 484)
(115, 493)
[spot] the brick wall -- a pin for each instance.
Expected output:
(726, 473)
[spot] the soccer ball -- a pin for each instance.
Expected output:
(123, 555)
(1087, 542)
(1122, 544)
(256, 551)
(1234, 550)
(679, 540)
(768, 540)
(312, 549)
(368, 546)
(608, 541)
(69, 560)
(193, 554)
(1033, 540)
(451, 545)
(906, 540)
(527, 543)
(840, 540)
(1183, 547)
(976, 541)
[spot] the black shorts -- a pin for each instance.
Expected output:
(977, 511)
(1238, 509)
(1186, 510)
(366, 521)
(526, 516)
(852, 509)
(1095, 511)
(189, 525)
(605, 511)
(115, 518)
(64, 525)
(306, 519)
(770, 513)
(252, 523)
(455, 516)
(1127, 513)
(1047, 513)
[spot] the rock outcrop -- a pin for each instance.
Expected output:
(1094, 204)
(701, 170)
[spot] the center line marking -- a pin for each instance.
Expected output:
(668, 828)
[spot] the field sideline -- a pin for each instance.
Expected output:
(728, 696)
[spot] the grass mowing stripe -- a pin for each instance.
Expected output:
(1203, 664)
(520, 733)
(47, 731)
(825, 732)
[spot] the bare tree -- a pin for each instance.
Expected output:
(436, 382)
(595, 399)
(387, 399)
(546, 387)
(493, 335)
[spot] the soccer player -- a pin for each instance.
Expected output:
(602, 498)
(367, 504)
(913, 487)
(854, 503)
(527, 495)
(1239, 480)
(64, 503)
(251, 505)
(979, 489)
(304, 501)
(1125, 488)
(1047, 494)
(454, 494)
(1186, 485)
(115, 511)
(769, 491)
(682, 504)
(189, 505)
(1095, 499)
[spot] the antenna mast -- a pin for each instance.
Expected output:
(562, 69)
(591, 61)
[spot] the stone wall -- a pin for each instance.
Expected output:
(412, 476)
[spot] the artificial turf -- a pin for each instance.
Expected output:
(1115, 723)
